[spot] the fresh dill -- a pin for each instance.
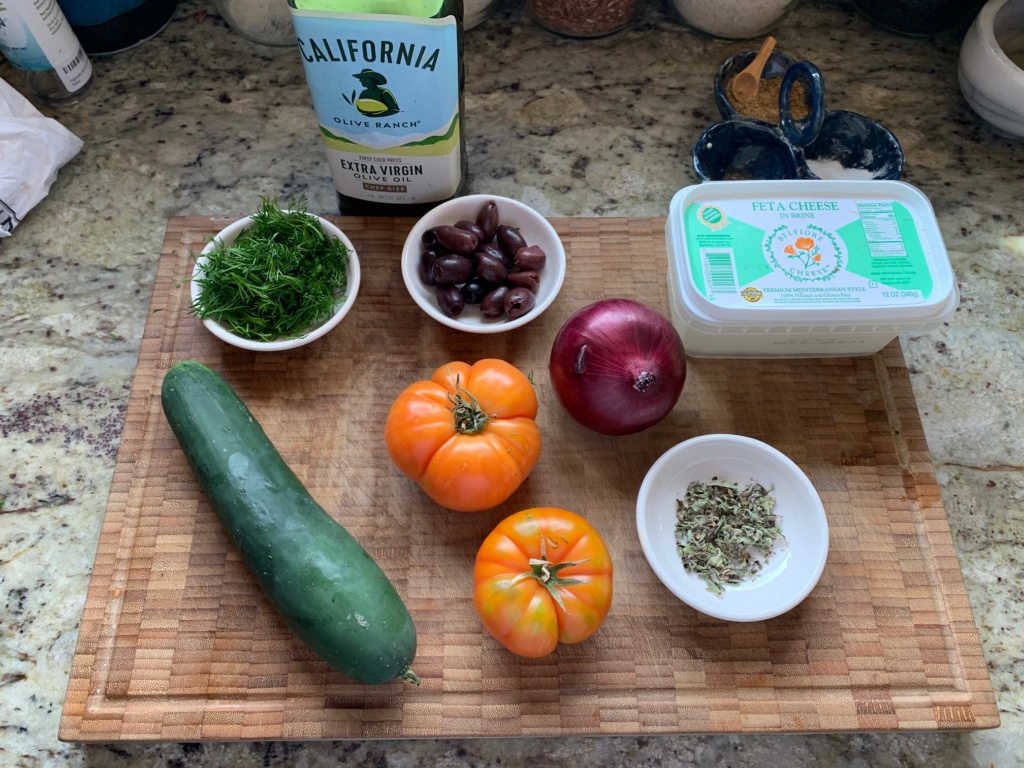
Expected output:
(280, 278)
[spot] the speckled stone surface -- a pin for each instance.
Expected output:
(197, 121)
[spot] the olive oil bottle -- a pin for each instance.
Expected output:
(386, 79)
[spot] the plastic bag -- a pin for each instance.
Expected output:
(32, 149)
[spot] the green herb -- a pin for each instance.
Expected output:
(721, 528)
(280, 277)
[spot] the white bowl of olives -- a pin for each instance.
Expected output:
(483, 263)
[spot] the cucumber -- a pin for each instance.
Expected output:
(324, 585)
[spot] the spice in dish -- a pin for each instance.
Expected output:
(764, 105)
(721, 529)
(832, 168)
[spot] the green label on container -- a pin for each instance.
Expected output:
(806, 253)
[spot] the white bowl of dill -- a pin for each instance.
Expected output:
(275, 280)
(733, 527)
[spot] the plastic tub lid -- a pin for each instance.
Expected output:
(808, 253)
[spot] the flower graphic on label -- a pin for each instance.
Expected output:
(806, 254)
(805, 250)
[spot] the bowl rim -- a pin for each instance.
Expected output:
(704, 442)
(986, 22)
(227, 236)
(411, 250)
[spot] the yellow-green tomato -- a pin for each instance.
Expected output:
(542, 577)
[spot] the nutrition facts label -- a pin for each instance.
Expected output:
(881, 229)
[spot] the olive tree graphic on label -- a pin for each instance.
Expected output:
(373, 100)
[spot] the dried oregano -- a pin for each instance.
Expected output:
(725, 533)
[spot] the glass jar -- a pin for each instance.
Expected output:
(38, 41)
(268, 22)
(583, 18)
(733, 19)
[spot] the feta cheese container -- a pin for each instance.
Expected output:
(804, 268)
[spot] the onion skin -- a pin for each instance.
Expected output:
(618, 366)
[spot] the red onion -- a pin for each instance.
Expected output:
(618, 366)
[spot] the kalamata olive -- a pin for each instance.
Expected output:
(529, 280)
(456, 240)
(496, 253)
(427, 259)
(531, 257)
(493, 304)
(487, 219)
(470, 226)
(430, 236)
(490, 269)
(451, 269)
(475, 290)
(509, 239)
(450, 300)
(519, 301)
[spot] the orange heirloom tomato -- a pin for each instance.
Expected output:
(467, 435)
(542, 577)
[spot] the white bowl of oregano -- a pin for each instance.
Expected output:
(275, 280)
(733, 527)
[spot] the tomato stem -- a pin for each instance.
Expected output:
(546, 572)
(469, 417)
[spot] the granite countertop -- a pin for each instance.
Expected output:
(198, 121)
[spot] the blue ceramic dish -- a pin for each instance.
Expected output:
(801, 132)
(850, 145)
(832, 144)
(736, 149)
(778, 65)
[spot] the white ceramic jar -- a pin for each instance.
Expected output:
(989, 70)
(733, 19)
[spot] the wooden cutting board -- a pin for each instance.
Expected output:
(177, 644)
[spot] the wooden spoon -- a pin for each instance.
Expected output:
(746, 82)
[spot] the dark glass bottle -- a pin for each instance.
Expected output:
(387, 77)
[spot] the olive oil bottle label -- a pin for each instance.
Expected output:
(793, 252)
(385, 90)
